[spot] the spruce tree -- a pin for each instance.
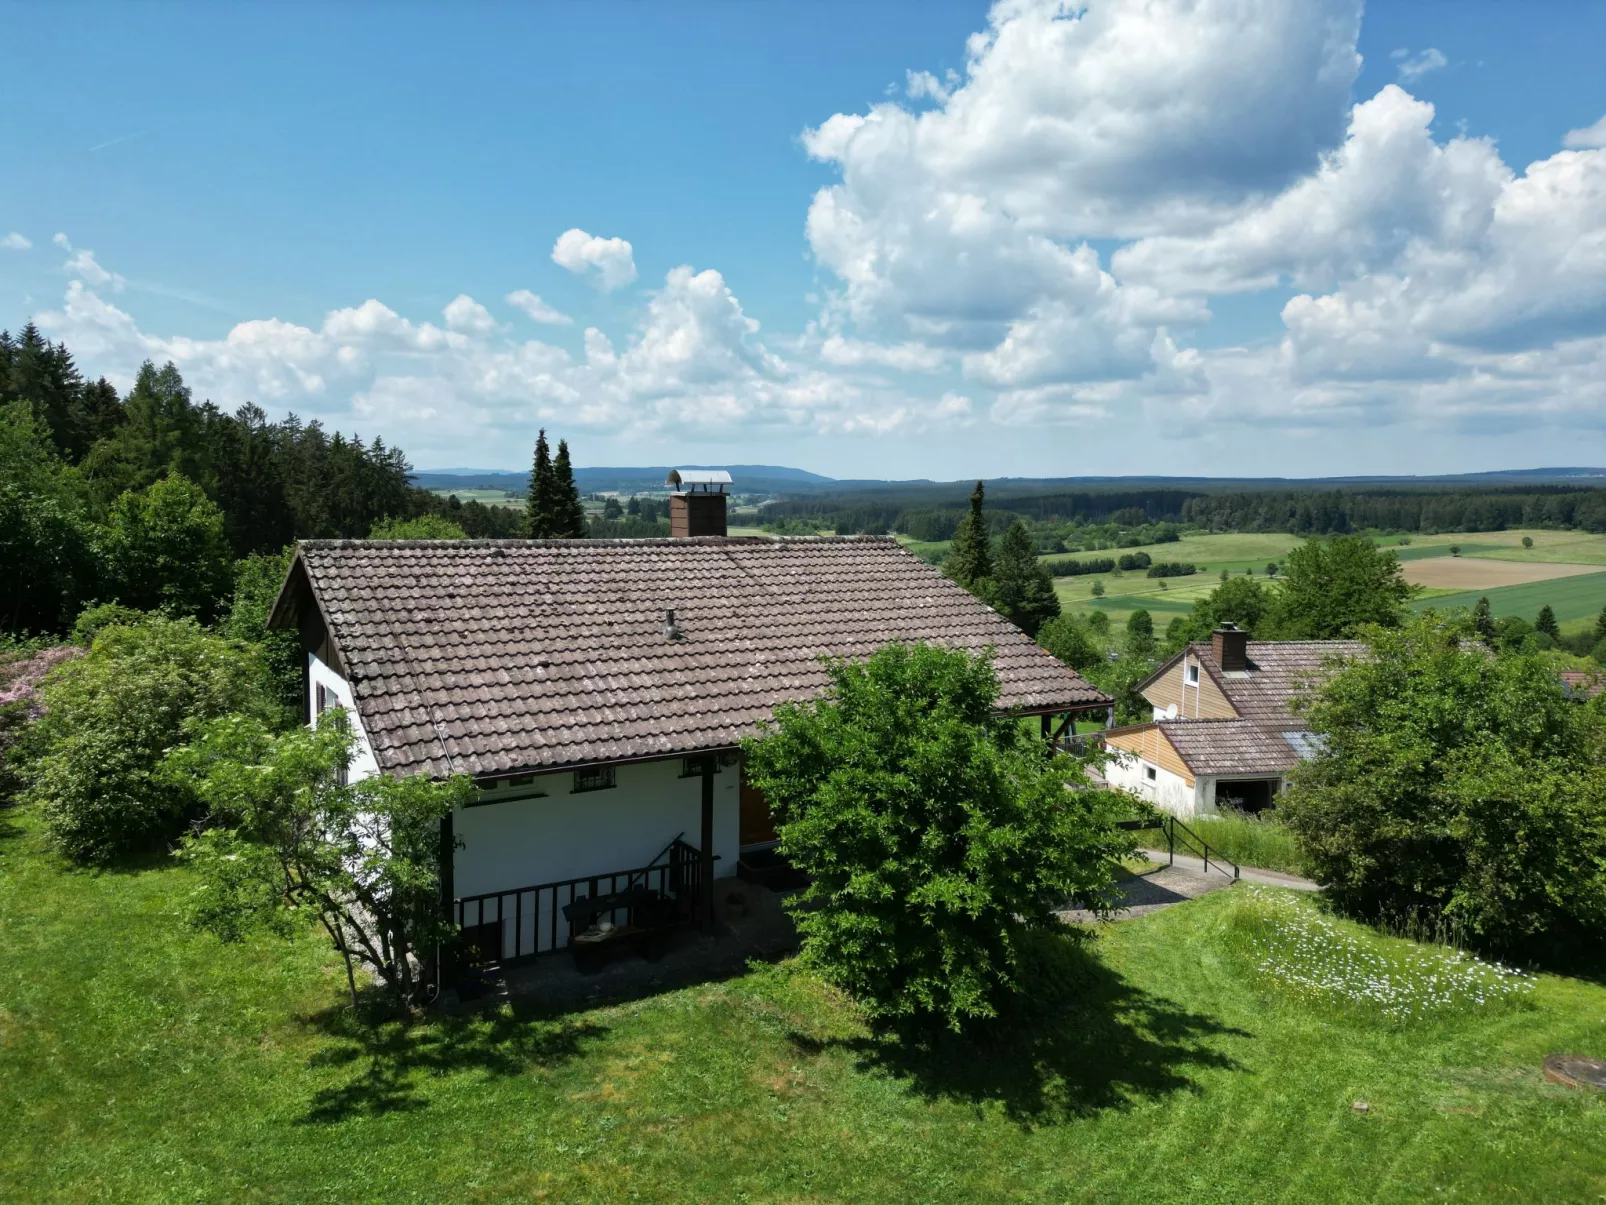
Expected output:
(1021, 591)
(1483, 622)
(569, 517)
(1547, 624)
(971, 561)
(539, 511)
(1600, 625)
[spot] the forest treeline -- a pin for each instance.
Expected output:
(149, 497)
(1300, 512)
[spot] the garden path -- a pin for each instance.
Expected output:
(1249, 874)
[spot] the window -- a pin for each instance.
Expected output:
(321, 695)
(1150, 774)
(693, 767)
(1192, 675)
(599, 778)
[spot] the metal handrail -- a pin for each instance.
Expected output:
(1171, 824)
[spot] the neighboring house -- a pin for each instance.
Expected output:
(1582, 684)
(1224, 728)
(597, 691)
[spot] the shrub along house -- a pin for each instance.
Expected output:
(597, 692)
(1224, 728)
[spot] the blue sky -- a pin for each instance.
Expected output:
(1094, 241)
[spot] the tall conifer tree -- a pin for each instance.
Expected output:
(539, 509)
(1021, 589)
(971, 558)
(568, 515)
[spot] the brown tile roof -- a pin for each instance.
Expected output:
(1583, 683)
(1278, 671)
(1229, 747)
(489, 657)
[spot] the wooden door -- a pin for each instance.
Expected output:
(757, 825)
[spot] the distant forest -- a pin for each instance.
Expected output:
(1301, 512)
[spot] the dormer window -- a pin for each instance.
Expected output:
(1191, 675)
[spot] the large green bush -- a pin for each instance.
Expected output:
(934, 834)
(1455, 785)
(257, 581)
(168, 551)
(109, 717)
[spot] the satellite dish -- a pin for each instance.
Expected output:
(1171, 711)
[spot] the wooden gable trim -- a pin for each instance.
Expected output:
(1149, 742)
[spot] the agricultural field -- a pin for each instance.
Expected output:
(1211, 1052)
(487, 497)
(1125, 592)
(1485, 573)
(1577, 601)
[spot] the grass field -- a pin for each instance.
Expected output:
(1565, 547)
(1575, 600)
(1127, 592)
(1179, 1058)
(488, 497)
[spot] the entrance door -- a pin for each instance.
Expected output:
(757, 825)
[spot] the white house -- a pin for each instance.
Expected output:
(1225, 729)
(597, 693)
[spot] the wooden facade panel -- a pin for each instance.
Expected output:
(1203, 702)
(1150, 744)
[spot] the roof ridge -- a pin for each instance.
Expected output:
(649, 542)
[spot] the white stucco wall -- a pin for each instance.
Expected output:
(567, 835)
(1125, 772)
(363, 764)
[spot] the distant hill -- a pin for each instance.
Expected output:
(754, 478)
(779, 479)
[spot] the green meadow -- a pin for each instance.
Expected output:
(1210, 1053)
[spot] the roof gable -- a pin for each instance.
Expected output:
(491, 657)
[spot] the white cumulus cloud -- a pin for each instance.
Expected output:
(467, 316)
(536, 310)
(15, 242)
(1588, 138)
(611, 259)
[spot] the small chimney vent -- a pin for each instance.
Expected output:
(697, 507)
(671, 628)
(1230, 644)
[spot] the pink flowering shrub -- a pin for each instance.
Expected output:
(21, 702)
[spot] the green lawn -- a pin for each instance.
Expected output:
(1576, 600)
(1165, 1063)
(1557, 547)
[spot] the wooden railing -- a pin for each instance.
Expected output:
(526, 922)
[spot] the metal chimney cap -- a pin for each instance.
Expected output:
(702, 477)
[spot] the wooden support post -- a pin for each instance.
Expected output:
(710, 764)
(448, 859)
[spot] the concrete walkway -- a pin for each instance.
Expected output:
(1249, 874)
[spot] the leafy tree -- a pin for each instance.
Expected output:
(424, 527)
(1600, 625)
(1271, 568)
(257, 581)
(1527, 541)
(970, 560)
(1452, 785)
(633, 507)
(1020, 588)
(1098, 588)
(1069, 639)
(612, 510)
(569, 517)
(935, 836)
(1455, 550)
(167, 549)
(285, 837)
(1240, 600)
(1483, 622)
(1333, 588)
(541, 504)
(1139, 643)
(109, 717)
(92, 621)
(1546, 623)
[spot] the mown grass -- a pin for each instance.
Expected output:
(1250, 840)
(1150, 1063)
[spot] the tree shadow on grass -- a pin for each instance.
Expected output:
(391, 1057)
(1079, 1040)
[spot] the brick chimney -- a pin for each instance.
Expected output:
(1230, 644)
(697, 507)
